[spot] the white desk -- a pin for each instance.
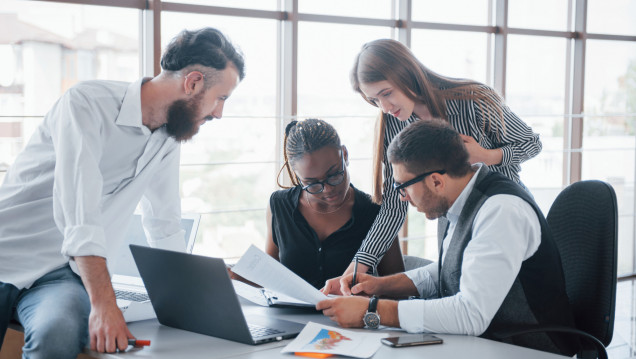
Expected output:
(174, 343)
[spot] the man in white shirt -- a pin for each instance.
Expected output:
(499, 268)
(103, 148)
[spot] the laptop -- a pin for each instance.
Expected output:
(131, 295)
(195, 293)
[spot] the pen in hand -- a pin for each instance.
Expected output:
(355, 272)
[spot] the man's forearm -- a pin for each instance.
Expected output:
(96, 280)
(388, 312)
(397, 286)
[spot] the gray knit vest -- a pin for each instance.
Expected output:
(537, 296)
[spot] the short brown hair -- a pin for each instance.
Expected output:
(430, 145)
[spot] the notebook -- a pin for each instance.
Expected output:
(195, 293)
(131, 295)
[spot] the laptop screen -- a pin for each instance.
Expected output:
(124, 264)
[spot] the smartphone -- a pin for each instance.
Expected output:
(411, 340)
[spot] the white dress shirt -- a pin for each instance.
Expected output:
(72, 190)
(506, 231)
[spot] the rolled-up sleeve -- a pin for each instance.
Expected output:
(513, 136)
(506, 231)
(77, 188)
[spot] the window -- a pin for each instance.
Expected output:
(44, 55)
(228, 171)
(468, 12)
(538, 14)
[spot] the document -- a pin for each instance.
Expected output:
(256, 266)
(318, 338)
(266, 297)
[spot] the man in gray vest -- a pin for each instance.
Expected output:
(498, 268)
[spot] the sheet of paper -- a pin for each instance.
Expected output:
(253, 294)
(318, 338)
(258, 267)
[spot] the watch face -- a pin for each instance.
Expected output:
(372, 320)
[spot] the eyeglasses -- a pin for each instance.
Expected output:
(400, 187)
(333, 180)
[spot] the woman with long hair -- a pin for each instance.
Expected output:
(387, 75)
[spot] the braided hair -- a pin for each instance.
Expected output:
(302, 137)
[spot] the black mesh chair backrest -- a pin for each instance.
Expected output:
(583, 220)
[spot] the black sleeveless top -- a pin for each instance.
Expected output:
(299, 248)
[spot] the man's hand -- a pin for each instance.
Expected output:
(334, 285)
(346, 311)
(108, 330)
(367, 285)
(106, 326)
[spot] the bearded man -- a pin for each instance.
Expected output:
(65, 203)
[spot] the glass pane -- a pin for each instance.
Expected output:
(379, 9)
(543, 174)
(610, 80)
(243, 4)
(611, 17)
(357, 134)
(323, 68)
(256, 95)
(206, 188)
(232, 139)
(452, 53)
(535, 14)
(609, 155)
(533, 95)
(535, 80)
(468, 12)
(422, 239)
(53, 46)
(228, 235)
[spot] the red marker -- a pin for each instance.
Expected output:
(138, 342)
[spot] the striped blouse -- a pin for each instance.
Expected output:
(516, 140)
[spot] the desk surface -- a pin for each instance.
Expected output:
(175, 343)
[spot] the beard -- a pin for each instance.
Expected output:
(182, 118)
(437, 205)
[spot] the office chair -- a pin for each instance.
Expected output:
(584, 224)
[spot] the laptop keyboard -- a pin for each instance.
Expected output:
(131, 296)
(257, 331)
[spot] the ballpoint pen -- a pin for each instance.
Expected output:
(355, 272)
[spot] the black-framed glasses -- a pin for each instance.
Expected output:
(400, 187)
(333, 180)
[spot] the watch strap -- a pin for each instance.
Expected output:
(373, 304)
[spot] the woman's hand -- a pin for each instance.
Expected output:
(477, 153)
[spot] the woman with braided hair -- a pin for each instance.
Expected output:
(316, 226)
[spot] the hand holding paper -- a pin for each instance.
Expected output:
(258, 267)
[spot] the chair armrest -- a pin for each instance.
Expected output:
(600, 348)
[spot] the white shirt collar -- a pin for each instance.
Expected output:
(456, 209)
(130, 111)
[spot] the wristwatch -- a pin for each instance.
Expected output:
(371, 318)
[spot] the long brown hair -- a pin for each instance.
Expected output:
(390, 60)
